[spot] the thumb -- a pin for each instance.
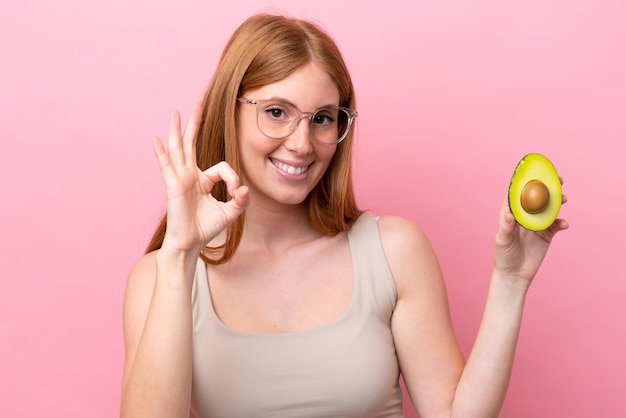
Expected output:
(506, 232)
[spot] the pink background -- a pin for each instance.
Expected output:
(451, 95)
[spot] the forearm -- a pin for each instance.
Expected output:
(485, 378)
(159, 383)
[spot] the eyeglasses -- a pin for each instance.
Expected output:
(277, 119)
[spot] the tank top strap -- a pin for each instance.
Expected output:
(371, 269)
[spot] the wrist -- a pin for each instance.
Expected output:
(173, 252)
(176, 268)
(512, 284)
(177, 255)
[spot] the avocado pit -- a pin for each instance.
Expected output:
(535, 197)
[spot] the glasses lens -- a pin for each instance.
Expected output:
(329, 125)
(275, 118)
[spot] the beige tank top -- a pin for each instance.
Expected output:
(347, 368)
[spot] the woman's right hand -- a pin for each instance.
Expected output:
(194, 216)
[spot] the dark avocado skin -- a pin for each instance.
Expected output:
(535, 166)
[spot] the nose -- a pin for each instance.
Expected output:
(301, 140)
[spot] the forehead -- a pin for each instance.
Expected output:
(310, 87)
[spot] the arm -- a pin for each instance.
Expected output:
(430, 358)
(157, 305)
(157, 334)
(439, 381)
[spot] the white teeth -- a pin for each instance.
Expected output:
(289, 169)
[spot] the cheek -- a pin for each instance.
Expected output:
(249, 140)
(326, 153)
(247, 131)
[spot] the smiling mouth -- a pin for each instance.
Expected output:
(290, 169)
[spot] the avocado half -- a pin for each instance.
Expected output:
(535, 194)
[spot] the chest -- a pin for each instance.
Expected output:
(303, 289)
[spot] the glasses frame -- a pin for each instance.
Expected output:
(352, 114)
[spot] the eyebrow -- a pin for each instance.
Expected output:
(281, 99)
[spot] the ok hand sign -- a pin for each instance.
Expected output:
(194, 216)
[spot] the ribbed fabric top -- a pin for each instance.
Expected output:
(347, 368)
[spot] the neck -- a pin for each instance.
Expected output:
(277, 227)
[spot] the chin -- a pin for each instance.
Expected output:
(294, 200)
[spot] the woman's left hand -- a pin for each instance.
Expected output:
(518, 252)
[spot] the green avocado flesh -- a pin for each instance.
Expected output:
(535, 194)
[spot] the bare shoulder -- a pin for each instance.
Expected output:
(139, 288)
(398, 232)
(409, 252)
(142, 275)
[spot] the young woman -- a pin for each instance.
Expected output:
(266, 292)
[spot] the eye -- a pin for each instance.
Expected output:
(278, 113)
(324, 117)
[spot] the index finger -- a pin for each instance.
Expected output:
(191, 133)
(222, 171)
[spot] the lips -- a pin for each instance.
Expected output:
(293, 170)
